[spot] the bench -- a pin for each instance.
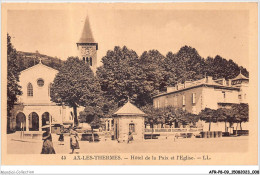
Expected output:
(151, 136)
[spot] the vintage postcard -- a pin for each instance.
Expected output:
(129, 83)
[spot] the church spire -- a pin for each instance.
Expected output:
(87, 46)
(86, 36)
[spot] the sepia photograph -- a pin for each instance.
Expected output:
(129, 84)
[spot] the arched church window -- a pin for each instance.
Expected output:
(29, 90)
(90, 61)
(87, 59)
(84, 59)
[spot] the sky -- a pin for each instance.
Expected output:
(56, 32)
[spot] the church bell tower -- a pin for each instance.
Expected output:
(87, 47)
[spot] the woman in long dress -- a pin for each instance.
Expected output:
(47, 146)
(74, 144)
(130, 137)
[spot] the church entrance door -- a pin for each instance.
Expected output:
(33, 122)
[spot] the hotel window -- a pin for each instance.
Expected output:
(29, 90)
(193, 98)
(166, 102)
(90, 61)
(175, 101)
(239, 96)
(183, 100)
(131, 127)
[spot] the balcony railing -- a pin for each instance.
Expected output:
(173, 130)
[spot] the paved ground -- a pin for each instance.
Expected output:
(226, 144)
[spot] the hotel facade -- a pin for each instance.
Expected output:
(194, 96)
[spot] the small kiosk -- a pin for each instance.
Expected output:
(129, 119)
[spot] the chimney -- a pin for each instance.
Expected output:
(224, 82)
(229, 82)
(209, 79)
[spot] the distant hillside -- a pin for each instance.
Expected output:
(29, 59)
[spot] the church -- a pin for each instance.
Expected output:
(34, 107)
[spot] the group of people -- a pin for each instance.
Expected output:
(47, 146)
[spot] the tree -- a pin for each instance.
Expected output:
(92, 116)
(241, 113)
(238, 113)
(185, 65)
(120, 77)
(208, 115)
(13, 88)
(151, 65)
(75, 85)
(169, 115)
(224, 115)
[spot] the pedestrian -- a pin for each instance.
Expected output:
(130, 137)
(74, 144)
(47, 146)
(61, 139)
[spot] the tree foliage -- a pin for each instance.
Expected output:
(13, 88)
(169, 115)
(209, 115)
(237, 113)
(75, 85)
(125, 74)
(120, 77)
(29, 59)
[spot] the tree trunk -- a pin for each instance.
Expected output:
(8, 125)
(236, 128)
(230, 125)
(75, 116)
(225, 126)
(240, 125)
(152, 133)
(209, 125)
(93, 139)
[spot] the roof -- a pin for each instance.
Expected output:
(86, 36)
(38, 66)
(217, 86)
(129, 109)
(240, 77)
